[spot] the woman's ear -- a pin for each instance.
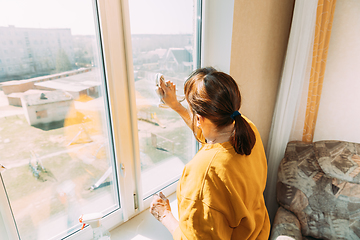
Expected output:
(199, 120)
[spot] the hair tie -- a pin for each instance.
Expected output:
(234, 114)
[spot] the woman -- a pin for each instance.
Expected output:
(220, 193)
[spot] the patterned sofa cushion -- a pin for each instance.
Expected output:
(326, 207)
(285, 224)
(339, 159)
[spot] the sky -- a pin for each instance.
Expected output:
(74, 14)
(161, 16)
(146, 16)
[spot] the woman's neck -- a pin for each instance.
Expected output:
(220, 136)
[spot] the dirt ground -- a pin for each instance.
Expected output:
(71, 156)
(65, 171)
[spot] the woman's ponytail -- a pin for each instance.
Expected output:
(243, 138)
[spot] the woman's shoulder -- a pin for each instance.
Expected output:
(250, 123)
(258, 143)
(214, 162)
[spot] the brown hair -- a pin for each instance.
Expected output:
(216, 96)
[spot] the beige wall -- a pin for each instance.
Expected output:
(259, 40)
(338, 116)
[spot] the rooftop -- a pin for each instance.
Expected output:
(74, 83)
(48, 97)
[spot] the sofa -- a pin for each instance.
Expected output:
(318, 190)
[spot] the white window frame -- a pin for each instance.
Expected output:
(115, 38)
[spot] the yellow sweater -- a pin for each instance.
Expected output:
(220, 194)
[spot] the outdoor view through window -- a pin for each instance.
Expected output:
(162, 35)
(55, 139)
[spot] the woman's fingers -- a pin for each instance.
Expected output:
(166, 85)
(160, 92)
(159, 206)
(162, 196)
(167, 93)
(170, 84)
(162, 84)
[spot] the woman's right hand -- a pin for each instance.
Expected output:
(167, 92)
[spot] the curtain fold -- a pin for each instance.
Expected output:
(324, 19)
(291, 85)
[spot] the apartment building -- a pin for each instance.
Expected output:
(31, 52)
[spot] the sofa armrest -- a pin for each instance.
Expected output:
(285, 224)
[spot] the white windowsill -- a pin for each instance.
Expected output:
(144, 226)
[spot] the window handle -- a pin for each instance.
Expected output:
(122, 169)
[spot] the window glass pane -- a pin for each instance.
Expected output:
(55, 136)
(162, 42)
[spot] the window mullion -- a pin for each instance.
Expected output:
(198, 33)
(112, 27)
(132, 98)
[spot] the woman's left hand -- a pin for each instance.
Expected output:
(160, 206)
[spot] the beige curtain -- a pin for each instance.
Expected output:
(298, 53)
(324, 19)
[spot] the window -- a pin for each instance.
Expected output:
(60, 159)
(161, 46)
(89, 133)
